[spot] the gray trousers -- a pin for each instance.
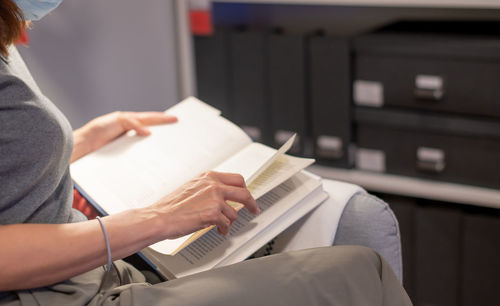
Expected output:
(342, 275)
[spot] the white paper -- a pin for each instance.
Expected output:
(133, 171)
(214, 249)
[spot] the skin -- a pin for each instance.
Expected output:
(44, 254)
(104, 129)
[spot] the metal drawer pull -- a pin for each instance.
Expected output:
(430, 160)
(429, 87)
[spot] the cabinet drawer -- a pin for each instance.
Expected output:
(455, 86)
(432, 147)
(445, 74)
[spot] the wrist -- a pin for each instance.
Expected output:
(153, 223)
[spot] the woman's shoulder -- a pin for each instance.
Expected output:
(16, 82)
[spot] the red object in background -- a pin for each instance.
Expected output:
(201, 22)
(24, 38)
(82, 205)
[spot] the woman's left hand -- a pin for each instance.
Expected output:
(104, 129)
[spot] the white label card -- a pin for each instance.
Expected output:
(332, 143)
(368, 93)
(370, 160)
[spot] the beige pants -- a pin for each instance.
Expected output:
(341, 275)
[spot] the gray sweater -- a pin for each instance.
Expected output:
(35, 148)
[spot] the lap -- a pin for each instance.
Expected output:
(324, 276)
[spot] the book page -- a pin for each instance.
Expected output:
(209, 250)
(284, 167)
(193, 107)
(133, 171)
(286, 220)
(254, 159)
(246, 161)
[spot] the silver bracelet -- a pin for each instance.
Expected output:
(108, 267)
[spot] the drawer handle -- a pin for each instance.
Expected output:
(429, 87)
(431, 160)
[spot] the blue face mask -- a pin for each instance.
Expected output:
(36, 9)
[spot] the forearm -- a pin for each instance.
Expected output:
(42, 254)
(92, 136)
(35, 255)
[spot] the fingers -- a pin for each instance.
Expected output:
(204, 202)
(134, 124)
(226, 219)
(220, 215)
(224, 214)
(241, 195)
(230, 213)
(139, 121)
(234, 189)
(153, 118)
(231, 179)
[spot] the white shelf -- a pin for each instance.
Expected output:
(413, 187)
(385, 3)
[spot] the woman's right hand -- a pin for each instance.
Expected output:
(201, 203)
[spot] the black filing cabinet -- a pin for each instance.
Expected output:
(418, 99)
(427, 105)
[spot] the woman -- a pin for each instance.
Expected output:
(52, 255)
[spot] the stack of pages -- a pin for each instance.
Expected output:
(133, 172)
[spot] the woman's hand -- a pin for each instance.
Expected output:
(102, 130)
(201, 203)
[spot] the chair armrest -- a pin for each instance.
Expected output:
(368, 221)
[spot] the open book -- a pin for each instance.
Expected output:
(134, 172)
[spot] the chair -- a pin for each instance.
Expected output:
(368, 221)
